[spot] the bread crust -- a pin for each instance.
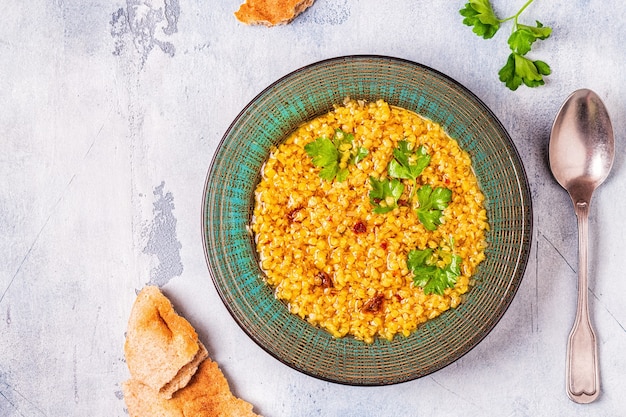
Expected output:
(206, 395)
(162, 349)
(271, 12)
(185, 374)
(171, 374)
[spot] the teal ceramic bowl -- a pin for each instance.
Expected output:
(229, 197)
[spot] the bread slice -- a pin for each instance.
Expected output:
(271, 12)
(206, 395)
(162, 349)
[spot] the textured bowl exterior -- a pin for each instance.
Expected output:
(229, 197)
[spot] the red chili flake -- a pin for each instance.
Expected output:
(323, 279)
(359, 227)
(384, 245)
(374, 304)
(291, 216)
(446, 180)
(398, 297)
(403, 203)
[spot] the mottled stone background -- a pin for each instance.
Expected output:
(110, 114)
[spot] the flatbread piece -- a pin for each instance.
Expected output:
(207, 395)
(271, 12)
(171, 374)
(162, 349)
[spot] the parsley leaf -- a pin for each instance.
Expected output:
(480, 15)
(431, 205)
(385, 194)
(345, 145)
(359, 155)
(325, 155)
(408, 164)
(334, 156)
(430, 277)
(522, 39)
(518, 69)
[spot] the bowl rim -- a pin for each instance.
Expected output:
(523, 255)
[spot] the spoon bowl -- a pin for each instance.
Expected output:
(581, 154)
(581, 144)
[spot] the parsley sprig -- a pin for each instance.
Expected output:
(334, 155)
(408, 164)
(432, 203)
(434, 270)
(519, 69)
(385, 194)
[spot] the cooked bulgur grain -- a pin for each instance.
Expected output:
(335, 262)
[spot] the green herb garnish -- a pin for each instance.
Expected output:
(334, 155)
(408, 164)
(480, 15)
(385, 194)
(432, 202)
(434, 279)
(518, 69)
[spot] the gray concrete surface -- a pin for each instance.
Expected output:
(110, 112)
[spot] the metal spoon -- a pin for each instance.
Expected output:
(581, 155)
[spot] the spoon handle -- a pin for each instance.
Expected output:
(582, 374)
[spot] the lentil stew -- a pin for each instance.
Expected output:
(338, 264)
